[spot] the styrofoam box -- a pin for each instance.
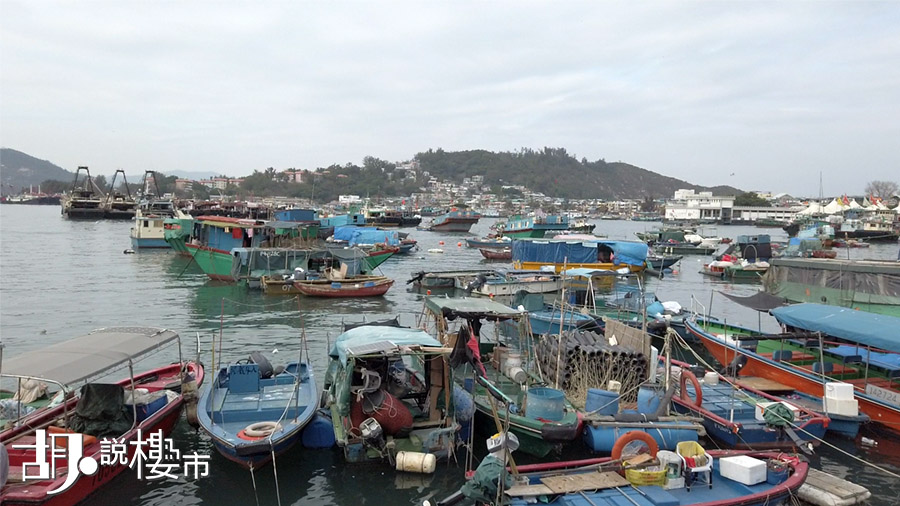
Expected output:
(673, 483)
(743, 469)
(846, 407)
(763, 405)
(838, 390)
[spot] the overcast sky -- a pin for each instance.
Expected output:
(774, 93)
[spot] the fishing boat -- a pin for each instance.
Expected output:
(254, 412)
(597, 254)
(670, 249)
(496, 254)
(853, 349)
(456, 220)
(119, 205)
(127, 410)
(519, 226)
(506, 282)
(746, 418)
(581, 226)
(446, 279)
(655, 482)
(489, 243)
(84, 201)
(149, 229)
(177, 233)
(386, 388)
(845, 425)
(659, 263)
(540, 416)
(350, 286)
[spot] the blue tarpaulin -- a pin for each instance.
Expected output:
(366, 235)
(577, 252)
(869, 329)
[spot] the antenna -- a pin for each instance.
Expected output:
(821, 193)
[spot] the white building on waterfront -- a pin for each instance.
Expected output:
(688, 205)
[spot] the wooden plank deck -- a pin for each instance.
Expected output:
(584, 481)
(764, 384)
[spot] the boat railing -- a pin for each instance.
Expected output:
(694, 312)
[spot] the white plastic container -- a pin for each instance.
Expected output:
(614, 386)
(711, 378)
(416, 462)
(654, 359)
(838, 390)
(846, 407)
(516, 374)
(743, 469)
(761, 407)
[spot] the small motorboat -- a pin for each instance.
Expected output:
(254, 411)
(351, 286)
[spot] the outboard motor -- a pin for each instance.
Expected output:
(476, 283)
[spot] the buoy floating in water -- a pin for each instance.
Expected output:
(441, 243)
(129, 251)
(435, 250)
(459, 245)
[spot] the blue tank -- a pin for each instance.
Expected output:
(601, 402)
(318, 433)
(602, 439)
(463, 404)
(649, 397)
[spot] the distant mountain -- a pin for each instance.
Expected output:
(19, 170)
(553, 172)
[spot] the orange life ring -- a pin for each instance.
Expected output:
(631, 436)
(685, 375)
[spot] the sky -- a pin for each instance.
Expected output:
(758, 95)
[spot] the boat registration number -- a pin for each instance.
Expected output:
(888, 396)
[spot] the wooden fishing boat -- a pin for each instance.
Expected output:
(254, 412)
(100, 411)
(352, 286)
(496, 254)
(746, 418)
(388, 383)
(662, 262)
(854, 349)
(540, 416)
(597, 254)
(598, 482)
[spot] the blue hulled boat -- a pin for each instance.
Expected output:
(254, 412)
(746, 418)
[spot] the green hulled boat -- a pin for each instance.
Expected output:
(177, 233)
(540, 416)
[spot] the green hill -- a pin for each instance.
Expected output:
(553, 172)
(19, 170)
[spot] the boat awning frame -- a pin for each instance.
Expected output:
(90, 356)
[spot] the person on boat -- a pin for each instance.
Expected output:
(484, 485)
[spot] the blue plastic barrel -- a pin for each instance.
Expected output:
(601, 402)
(463, 404)
(318, 433)
(546, 403)
(649, 397)
(602, 439)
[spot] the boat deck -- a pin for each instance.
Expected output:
(722, 491)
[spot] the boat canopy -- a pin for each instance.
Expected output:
(760, 301)
(372, 339)
(471, 308)
(577, 252)
(366, 235)
(227, 221)
(861, 327)
(89, 356)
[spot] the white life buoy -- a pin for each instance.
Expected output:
(261, 429)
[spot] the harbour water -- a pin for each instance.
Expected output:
(61, 278)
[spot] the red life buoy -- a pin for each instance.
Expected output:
(685, 375)
(632, 436)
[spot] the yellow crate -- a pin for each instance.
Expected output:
(644, 477)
